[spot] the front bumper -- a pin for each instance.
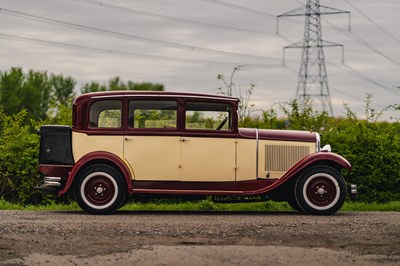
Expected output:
(352, 190)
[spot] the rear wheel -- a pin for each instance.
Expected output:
(100, 189)
(320, 190)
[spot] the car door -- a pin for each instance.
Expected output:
(151, 142)
(207, 145)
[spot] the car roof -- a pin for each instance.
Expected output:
(105, 94)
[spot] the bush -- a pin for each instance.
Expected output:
(372, 147)
(19, 149)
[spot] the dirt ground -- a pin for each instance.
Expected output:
(199, 238)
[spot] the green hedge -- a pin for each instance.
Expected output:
(371, 146)
(373, 149)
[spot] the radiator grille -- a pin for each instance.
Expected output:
(281, 157)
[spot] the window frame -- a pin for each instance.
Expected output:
(231, 118)
(153, 129)
(106, 129)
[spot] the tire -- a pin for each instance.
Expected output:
(100, 189)
(320, 190)
(293, 203)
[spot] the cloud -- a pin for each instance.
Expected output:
(365, 46)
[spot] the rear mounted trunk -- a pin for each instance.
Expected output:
(55, 145)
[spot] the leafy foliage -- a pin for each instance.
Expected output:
(373, 149)
(116, 83)
(304, 117)
(18, 161)
(28, 100)
(245, 108)
(35, 91)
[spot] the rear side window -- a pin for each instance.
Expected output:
(106, 114)
(152, 114)
(208, 116)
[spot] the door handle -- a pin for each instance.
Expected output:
(127, 139)
(183, 139)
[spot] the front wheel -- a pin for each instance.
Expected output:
(100, 189)
(320, 190)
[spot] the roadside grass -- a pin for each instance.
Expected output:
(205, 205)
(208, 205)
(5, 205)
(373, 206)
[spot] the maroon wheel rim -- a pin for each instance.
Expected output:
(321, 191)
(99, 190)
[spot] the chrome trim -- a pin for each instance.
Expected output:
(326, 148)
(256, 152)
(317, 142)
(352, 190)
(52, 181)
(58, 165)
(52, 178)
(51, 184)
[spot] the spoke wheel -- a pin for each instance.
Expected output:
(320, 190)
(100, 189)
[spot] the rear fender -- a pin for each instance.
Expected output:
(99, 157)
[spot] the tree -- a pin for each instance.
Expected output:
(11, 84)
(116, 83)
(35, 91)
(63, 89)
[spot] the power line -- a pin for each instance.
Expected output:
(169, 18)
(364, 43)
(373, 22)
(181, 20)
(251, 11)
(113, 51)
(376, 12)
(128, 36)
(241, 8)
(348, 94)
(347, 68)
(126, 53)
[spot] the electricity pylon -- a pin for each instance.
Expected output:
(313, 79)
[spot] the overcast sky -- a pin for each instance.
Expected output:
(185, 44)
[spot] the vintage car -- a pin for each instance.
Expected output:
(128, 143)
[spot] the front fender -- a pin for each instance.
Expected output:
(324, 158)
(96, 156)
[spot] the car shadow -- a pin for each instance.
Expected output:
(215, 213)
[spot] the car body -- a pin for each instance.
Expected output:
(126, 143)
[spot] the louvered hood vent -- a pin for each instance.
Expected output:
(280, 158)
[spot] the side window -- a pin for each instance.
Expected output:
(208, 116)
(152, 114)
(106, 114)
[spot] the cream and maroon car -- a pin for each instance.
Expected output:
(183, 144)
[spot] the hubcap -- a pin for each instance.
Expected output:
(321, 191)
(99, 189)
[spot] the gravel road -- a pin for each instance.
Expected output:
(199, 238)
